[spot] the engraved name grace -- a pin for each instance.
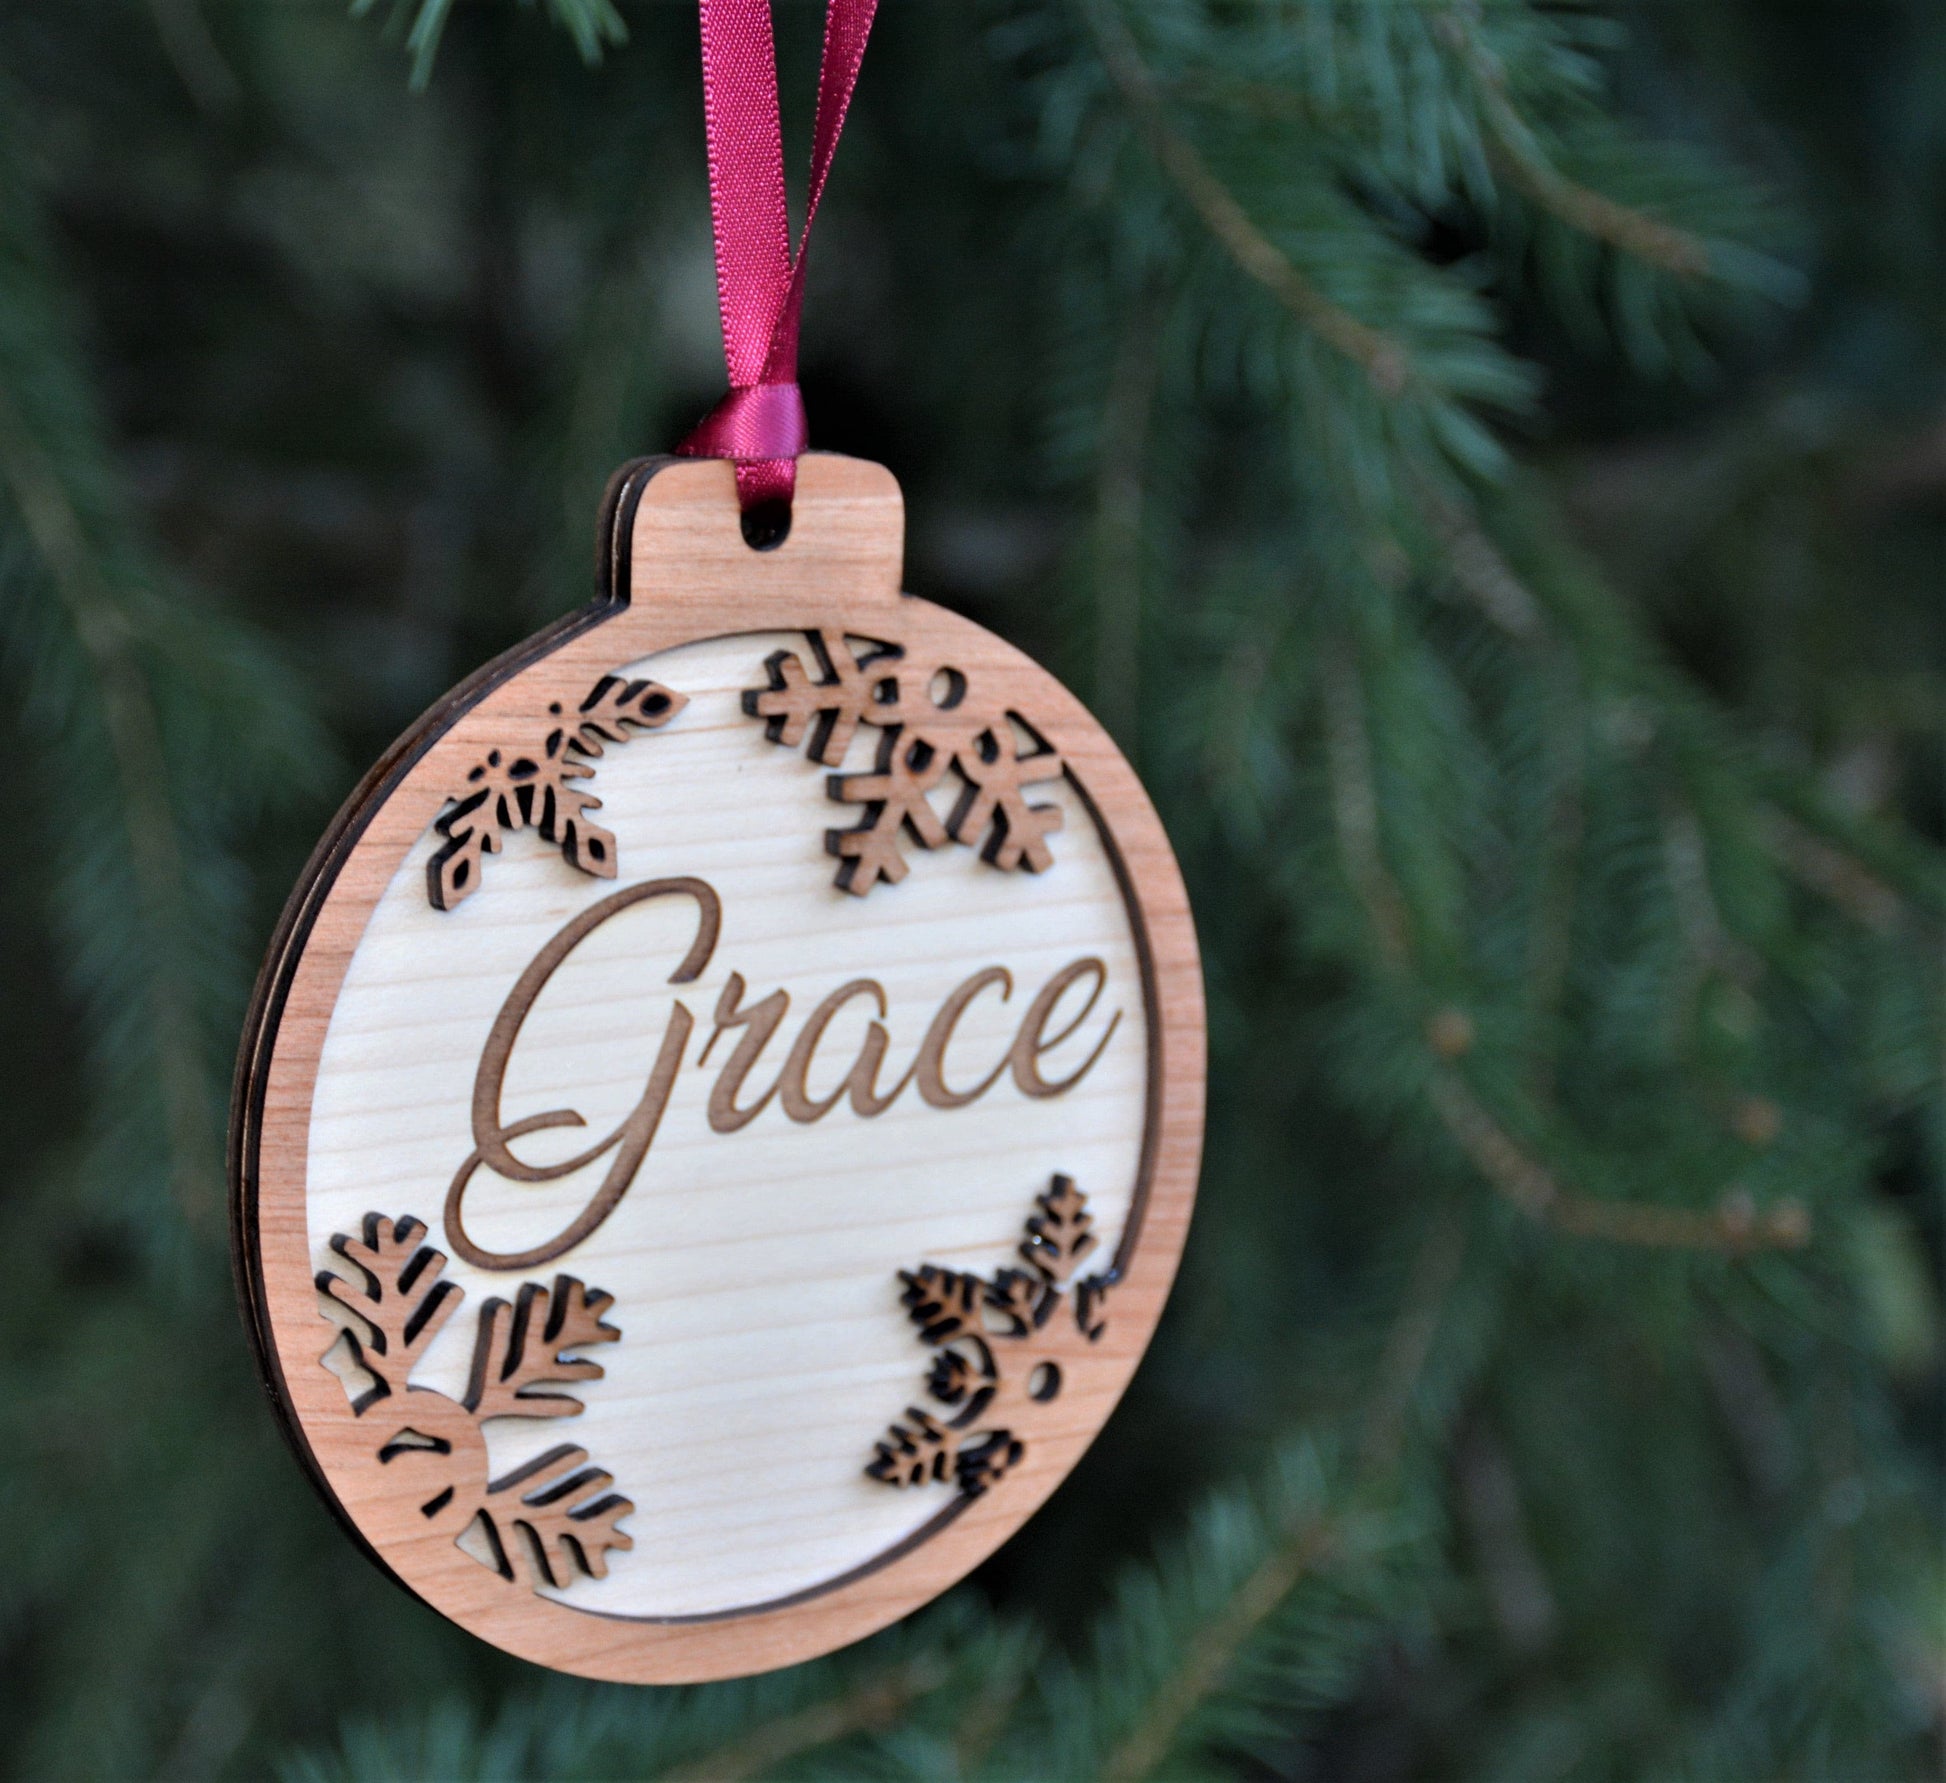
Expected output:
(1055, 1013)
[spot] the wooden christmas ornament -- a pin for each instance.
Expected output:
(721, 1111)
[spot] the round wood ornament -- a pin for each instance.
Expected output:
(721, 1112)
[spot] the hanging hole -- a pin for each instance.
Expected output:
(767, 525)
(1044, 1382)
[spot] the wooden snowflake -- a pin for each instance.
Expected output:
(539, 789)
(1001, 1345)
(932, 722)
(545, 1522)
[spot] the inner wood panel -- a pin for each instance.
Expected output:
(756, 1273)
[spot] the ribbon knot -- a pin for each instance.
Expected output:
(758, 424)
(761, 424)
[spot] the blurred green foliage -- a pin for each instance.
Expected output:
(1486, 461)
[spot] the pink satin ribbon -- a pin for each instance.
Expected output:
(759, 285)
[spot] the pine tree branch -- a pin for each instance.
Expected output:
(1215, 1649)
(1120, 482)
(1210, 1656)
(1604, 219)
(1735, 1226)
(993, 1706)
(135, 740)
(1381, 358)
(876, 1703)
(1550, 948)
(1827, 865)
(1707, 941)
(593, 24)
(1513, 147)
(1408, 1344)
(1523, 1602)
(1834, 874)
(1516, 151)
(1481, 571)
(1354, 811)
(193, 53)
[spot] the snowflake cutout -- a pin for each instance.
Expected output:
(1001, 1348)
(933, 720)
(547, 1521)
(537, 789)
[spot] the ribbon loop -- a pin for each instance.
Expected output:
(761, 424)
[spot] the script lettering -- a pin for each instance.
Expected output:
(931, 1067)
(1032, 1040)
(1056, 1014)
(758, 1022)
(861, 1080)
(631, 1140)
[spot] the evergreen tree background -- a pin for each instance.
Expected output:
(1484, 459)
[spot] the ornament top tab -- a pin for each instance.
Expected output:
(720, 1116)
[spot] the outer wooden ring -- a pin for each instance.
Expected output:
(675, 570)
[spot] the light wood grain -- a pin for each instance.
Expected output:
(754, 1256)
